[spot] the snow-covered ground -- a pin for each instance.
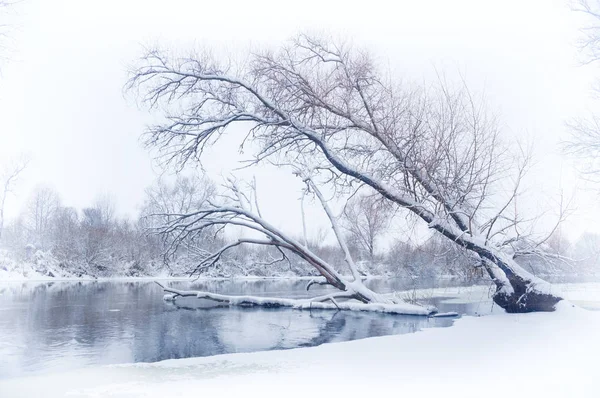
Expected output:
(527, 355)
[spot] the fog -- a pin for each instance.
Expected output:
(62, 100)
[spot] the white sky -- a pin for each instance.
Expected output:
(61, 99)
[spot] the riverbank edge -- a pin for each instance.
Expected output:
(460, 361)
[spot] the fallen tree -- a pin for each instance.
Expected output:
(323, 302)
(434, 152)
(242, 211)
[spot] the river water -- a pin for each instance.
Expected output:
(58, 326)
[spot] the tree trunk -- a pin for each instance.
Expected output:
(517, 291)
(525, 297)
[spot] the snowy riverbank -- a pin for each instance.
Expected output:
(541, 354)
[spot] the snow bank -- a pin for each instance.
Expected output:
(518, 355)
(40, 266)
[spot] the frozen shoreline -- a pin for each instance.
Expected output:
(540, 354)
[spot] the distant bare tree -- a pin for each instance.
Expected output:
(4, 27)
(66, 234)
(3, 5)
(9, 174)
(433, 151)
(41, 209)
(584, 143)
(587, 250)
(589, 43)
(367, 218)
(181, 196)
(104, 205)
(433, 257)
(97, 227)
(584, 146)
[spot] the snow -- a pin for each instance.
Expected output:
(519, 355)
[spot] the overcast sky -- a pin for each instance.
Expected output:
(61, 98)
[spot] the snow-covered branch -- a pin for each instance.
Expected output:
(333, 301)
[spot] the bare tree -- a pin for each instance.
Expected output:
(584, 146)
(587, 251)
(584, 143)
(11, 171)
(97, 232)
(41, 209)
(66, 234)
(183, 195)
(433, 151)
(367, 218)
(589, 43)
(5, 6)
(104, 204)
(8, 178)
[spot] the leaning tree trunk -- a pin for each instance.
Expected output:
(518, 291)
(525, 297)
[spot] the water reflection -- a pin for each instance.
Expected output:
(64, 325)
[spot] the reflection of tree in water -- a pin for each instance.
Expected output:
(346, 326)
(62, 324)
(53, 321)
(331, 327)
(226, 330)
(178, 333)
(254, 329)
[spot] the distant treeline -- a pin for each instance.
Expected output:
(55, 240)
